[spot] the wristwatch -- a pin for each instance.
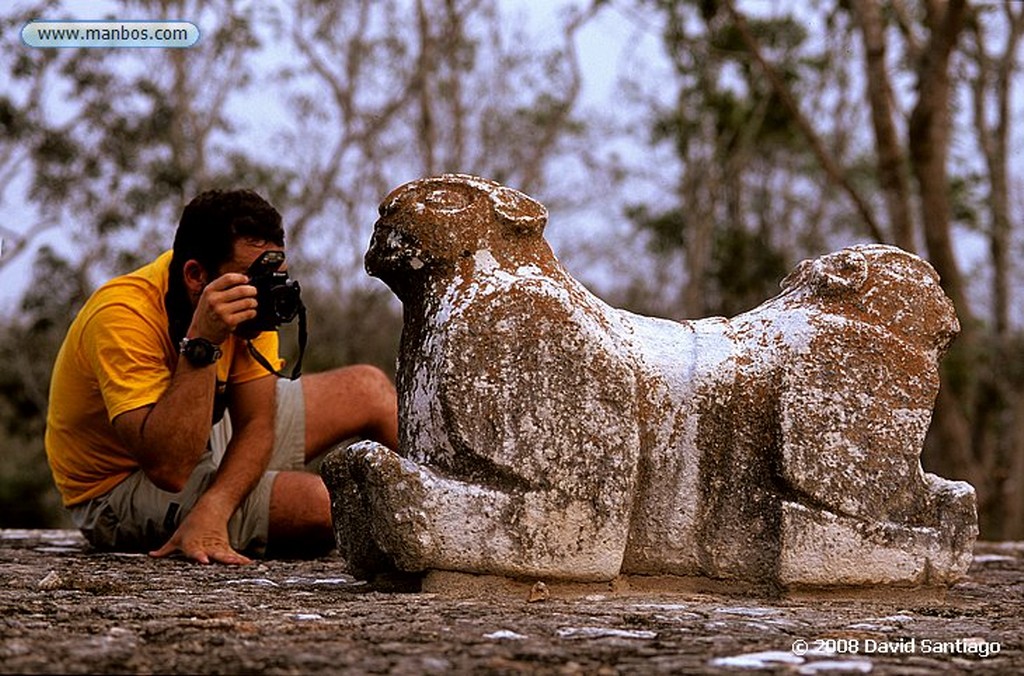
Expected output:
(199, 351)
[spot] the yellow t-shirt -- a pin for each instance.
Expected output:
(117, 357)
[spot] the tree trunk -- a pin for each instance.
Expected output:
(929, 149)
(889, 150)
(994, 141)
(1000, 450)
(425, 72)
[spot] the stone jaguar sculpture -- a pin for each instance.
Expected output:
(546, 434)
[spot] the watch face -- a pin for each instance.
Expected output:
(200, 352)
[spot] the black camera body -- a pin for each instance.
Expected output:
(278, 298)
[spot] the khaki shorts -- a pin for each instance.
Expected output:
(137, 516)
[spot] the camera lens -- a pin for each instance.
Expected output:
(285, 300)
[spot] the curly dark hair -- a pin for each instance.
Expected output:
(215, 219)
(209, 227)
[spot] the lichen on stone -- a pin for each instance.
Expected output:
(546, 434)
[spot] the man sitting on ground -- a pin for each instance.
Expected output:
(151, 362)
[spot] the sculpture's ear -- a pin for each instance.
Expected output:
(834, 274)
(518, 213)
(798, 277)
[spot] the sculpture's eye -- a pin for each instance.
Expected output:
(447, 201)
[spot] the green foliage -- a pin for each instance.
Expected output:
(28, 498)
(744, 267)
(729, 129)
(786, 33)
(747, 269)
(56, 293)
(667, 228)
(967, 200)
(28, 347)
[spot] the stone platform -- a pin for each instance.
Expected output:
(66, 609)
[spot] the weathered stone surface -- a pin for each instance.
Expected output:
(545, 434)
(67, 609)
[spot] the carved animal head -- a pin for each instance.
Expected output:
(427, 225)
(883, 285)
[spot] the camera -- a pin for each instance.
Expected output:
(277, 295)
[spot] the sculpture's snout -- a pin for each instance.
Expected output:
(392, 250)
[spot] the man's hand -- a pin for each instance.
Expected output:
(202, 537)
(225, 303)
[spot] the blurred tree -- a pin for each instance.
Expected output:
(384, 91)
(976, 430)
(990, 387)
(891, 162)
(109, 145)
(113, 142)
(26, 130)
(736, 139)
(28, 346)
(323, 107)
(756, 97)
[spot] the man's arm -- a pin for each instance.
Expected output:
(203, 535)
(169, 437)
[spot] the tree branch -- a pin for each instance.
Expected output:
(825, 159)
(532, 173)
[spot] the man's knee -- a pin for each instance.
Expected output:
(373, 388)
(379, 400)
(360, 380)
(374, 383)
(357, 400)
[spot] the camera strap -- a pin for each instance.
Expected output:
(297, 369)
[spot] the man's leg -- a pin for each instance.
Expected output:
(136, 515)
(300, 516)
(354, 401)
